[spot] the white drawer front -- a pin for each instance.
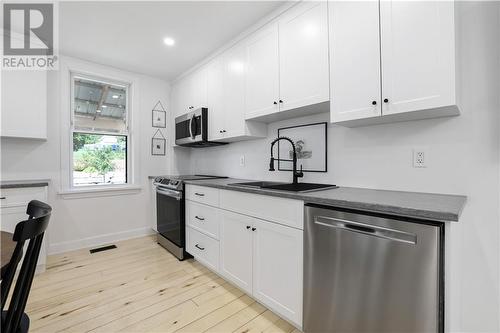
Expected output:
(201, 194)
(11, 197)
(203, 218)
(203, 248)
(281, 210)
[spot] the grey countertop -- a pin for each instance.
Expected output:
(24, 183)
(428, 206)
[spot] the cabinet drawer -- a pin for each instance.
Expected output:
(201, 194)
(203, 218)
(12, 197)
(281, 210)
(203, 248)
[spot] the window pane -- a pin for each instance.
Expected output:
(99, 159)
(99, 106)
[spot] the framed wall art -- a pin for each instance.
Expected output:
(159, 116)
(311, 145)
(158, 144)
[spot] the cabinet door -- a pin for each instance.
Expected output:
(175, 98)
(418, 62)
(199, 88)
(262, 81)
(278, 268)
(24, 104)
(236, 249)
(180, 96)
(354, 60)
(215, 99)
(234, 89)
(194, 90)
(303, 50)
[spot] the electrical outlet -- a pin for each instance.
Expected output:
(242, 160)
(420, 157)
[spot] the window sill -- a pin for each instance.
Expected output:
(93, 192)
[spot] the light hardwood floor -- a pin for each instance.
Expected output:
(140, 287)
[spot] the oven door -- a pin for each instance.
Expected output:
(170, 219)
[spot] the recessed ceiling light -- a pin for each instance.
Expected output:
(104, 106)
(98, 111)
(168, 41)
(115, 96)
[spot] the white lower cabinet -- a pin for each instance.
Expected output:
(277, 268)
(13, 210)
(263, 258)
(203, 248)
(236, 249)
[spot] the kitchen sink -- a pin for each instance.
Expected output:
(257, 184)
(300, 187)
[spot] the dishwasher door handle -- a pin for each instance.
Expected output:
(366, 229)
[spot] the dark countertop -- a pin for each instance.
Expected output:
(24, 183)
(428, 206)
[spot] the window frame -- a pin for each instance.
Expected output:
(127, 133)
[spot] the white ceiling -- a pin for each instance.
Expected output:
(129, 35)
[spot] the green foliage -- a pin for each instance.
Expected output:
(81, 139)
(98, 160)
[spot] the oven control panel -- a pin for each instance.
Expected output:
(173, 184)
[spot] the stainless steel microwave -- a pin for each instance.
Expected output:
(191, 129)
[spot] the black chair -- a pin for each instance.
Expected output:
(14, 319)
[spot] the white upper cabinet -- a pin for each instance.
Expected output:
(226, 98)
(24, 104)
(235, 70)
(262, 81)
(197, 89)
(418, 55)
(288, 65)
(303, 50)
(355, 85)
(179, 97)
(190, 92)
(215, 99)
(391, 61)
(220, 86)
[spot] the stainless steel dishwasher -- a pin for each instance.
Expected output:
(368, 273)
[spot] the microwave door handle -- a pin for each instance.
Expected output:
(191, 127)
(192, 123)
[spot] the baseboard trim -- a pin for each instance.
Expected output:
(98, 240)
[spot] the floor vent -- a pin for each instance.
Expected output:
(104, 248)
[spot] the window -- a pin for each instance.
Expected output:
(99, 132)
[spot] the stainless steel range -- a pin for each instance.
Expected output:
(170, 212)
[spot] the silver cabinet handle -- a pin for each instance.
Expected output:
(366, 229)
(199, 194)
(199, 218)
(199, 247)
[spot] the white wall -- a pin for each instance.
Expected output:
(79, 222)
(464, 159)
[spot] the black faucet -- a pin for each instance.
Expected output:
(296, 174)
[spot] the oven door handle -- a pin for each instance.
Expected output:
(169, 193)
